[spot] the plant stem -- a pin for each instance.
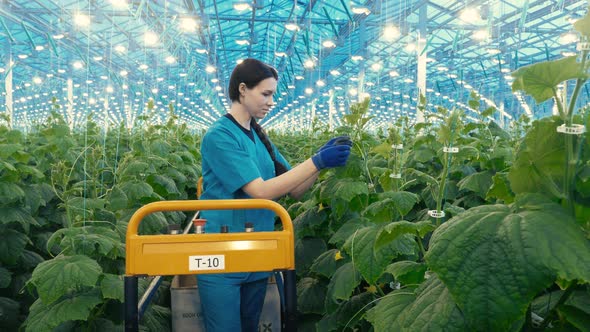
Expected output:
(579, 83)
(559, 104)
(571, 157)
(365, 162)
(441, 187)
(561, 301)
(420, 245)
(396, 167)
(570, 169)
(528, 321)
(379, 290)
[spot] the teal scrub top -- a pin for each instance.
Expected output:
(230, 160)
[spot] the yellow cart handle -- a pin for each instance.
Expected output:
(227, 252)
(200, 205)
(209, 253)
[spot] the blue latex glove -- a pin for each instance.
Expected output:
(340, 140)
(331, 156)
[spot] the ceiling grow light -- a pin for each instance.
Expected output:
(292, 26)
(241, 6)
(188, 24)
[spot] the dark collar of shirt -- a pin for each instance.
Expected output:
(246, 131)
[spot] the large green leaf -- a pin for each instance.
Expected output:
(580, 299)
(449, 130)
(403, 201)
(346, 230)
(500, 189)
(5, 277)
(136, 190)
(154, 223)
(134, 169)
(94, 241)
(5, 165)
(9, 314)
(344, 281)
(6, 150)
(28, 260)
(408, 272)
(477, 182)
(540, 163)
(386, 182)
(164, 186)
(390, 203)
(396, 229)
(494, 259)
(12, 244)
(117, 199)
(103, 324)
(498, 131)
(383, 149)
(576, 317)
(310, 221)
(583, 180)
(431, 308)
(423, 154)
(344, 188)
(37, 195)
(45, 317)
(583, 25)
(381, 211)
(311, 295)
(10, 192)
(111, 287)
(503, 153)
(306, 252)
(347, 314)
(15, 214)
(179, 178)
(83, 203)
(156, 318)
(33, 171)
(423, 177)
(370, 262)
(327, 263)
(384, 315)
(539, 80)
(54, 278)
(160, 148)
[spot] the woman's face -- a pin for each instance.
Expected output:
(258, 100)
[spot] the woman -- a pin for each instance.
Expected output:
(239, 161)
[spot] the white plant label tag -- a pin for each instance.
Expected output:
(208, 262)
(450, 149)
(575, 129)
(436, 214)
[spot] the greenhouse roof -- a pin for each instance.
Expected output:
(110, 58)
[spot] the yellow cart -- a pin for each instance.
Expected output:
(162, 255)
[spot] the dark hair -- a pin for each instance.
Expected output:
(249, 72)
(279, 168)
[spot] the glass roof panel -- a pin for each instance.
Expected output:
(110, 58)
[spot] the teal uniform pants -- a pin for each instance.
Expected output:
(234, 301)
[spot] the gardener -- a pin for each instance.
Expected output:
(239, 161)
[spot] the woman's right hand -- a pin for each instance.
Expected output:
(331, 156)
(340, 140)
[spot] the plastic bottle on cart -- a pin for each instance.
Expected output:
(174, 229)
(199, 225)
(248, 227)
